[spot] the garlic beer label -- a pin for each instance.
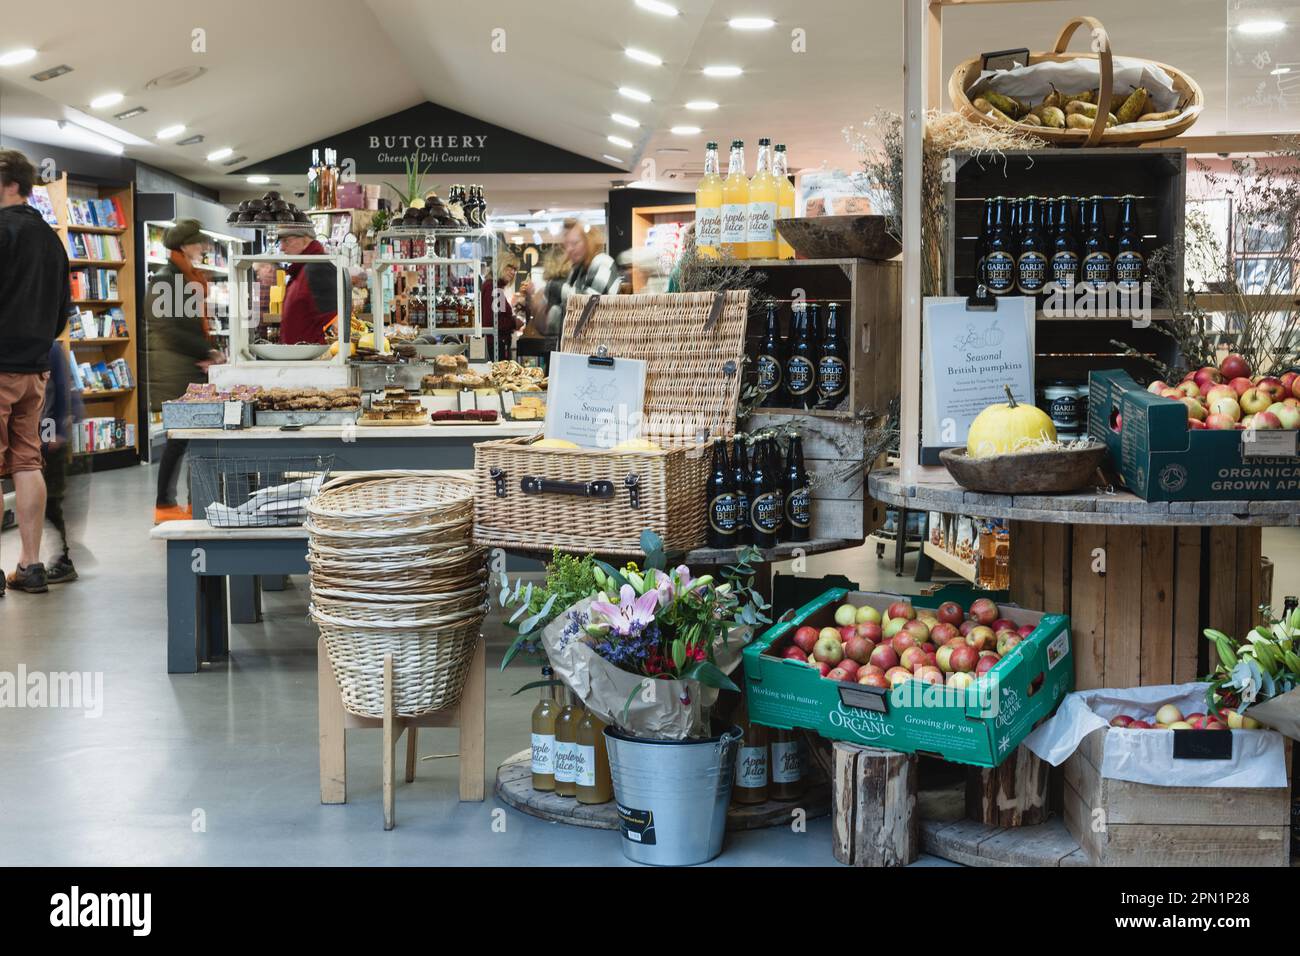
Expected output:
(769, 374)
(786, 763)
(800, 375)
(1065, 269)
(708, 226)
(735, 222)
(543, 754)
(1128, 271)
(724, 513)
(762, 222)
(831, 377)
(765, 513)
(999, 272)
(798, 508)
(751, 768)
(1032, 270)
(1096, 269)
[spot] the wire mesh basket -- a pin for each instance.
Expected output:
(264, 492)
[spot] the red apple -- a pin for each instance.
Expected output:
(1288, 381)
(965, 627)
(806, 638)
(795, 653)
(981, 638)
(858, 649)
(1217, 422)
(1220, 391)
(1121, 720)
(901, 642)
(943, 656)
(1295, 388)
(1234, 366)
(1271, 387)
(929, 647)
(1207, 377)
(985, 664)
(964, 658)
(1213, 724)
(850, 667)
(873, 680)
(869, 631)
(942, 633)
(1194, 425)
(931, 658)
(870, 669)
(913, 658)
(929, 675)
(846, 631)
(1241, 385)
(1195, 410)
(820, 667)
(1002, 624)
(1140, 725)
(1197, 721)
(1157, 386)
(1225, 405)
(840, 674)
(901, 609)
(919, 630)
(897, 675)
(983, 611)
(1025, 630)
(884, 657)
(1006, 641)
(1177, 394)
(828, 650)
(1288, 415)
(950, 612)
(1190, 390)
(1267, 421)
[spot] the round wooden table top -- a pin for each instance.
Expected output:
(1097, 506)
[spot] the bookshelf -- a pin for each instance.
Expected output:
(644, 219)
(117, 270)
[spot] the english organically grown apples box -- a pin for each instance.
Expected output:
(887, 671)
(1196, 447)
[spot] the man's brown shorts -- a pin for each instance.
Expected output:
(22, 403)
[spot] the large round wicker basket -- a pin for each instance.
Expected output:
(1191, 99)
(394, 573)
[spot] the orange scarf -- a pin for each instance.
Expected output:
(193, 275)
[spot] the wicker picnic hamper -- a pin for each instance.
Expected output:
(1191, 99)
(394, 572)
(536, 499)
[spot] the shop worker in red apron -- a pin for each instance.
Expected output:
(311, 298)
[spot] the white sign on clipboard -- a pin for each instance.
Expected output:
(594, 401)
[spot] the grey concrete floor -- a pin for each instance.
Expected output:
(220, 768)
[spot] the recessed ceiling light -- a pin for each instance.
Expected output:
(751, 23)
(631, 94)
(1260, 27)
(51, 73)
(624, 120)
(613, 159)
(701, 105)
(190, 140)
(220, 154)
(259, 180)
(105, 101)
(686, 130)
(235, 161)
(619, 141)
(641, 56)
(1280, 70)
(168, 132)
(130, 114)
(14, 57)
(723, 71)
(657, 6)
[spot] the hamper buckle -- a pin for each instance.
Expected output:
(633, 483)
(499, 478)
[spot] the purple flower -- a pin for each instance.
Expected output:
(632, 613)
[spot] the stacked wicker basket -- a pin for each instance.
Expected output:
(394, 572)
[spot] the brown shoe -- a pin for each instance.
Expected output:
(30, 579)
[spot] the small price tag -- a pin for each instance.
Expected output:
(477, 348)
(465, 400)
(233, 416)
(1269, 444)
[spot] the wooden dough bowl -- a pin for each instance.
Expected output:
(1026, 473)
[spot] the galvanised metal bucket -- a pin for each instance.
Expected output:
(672, 795)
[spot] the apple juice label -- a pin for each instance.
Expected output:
(708, 226)
(724, 513)
(999, 272)
(786, 762)
(769, 374)
(751, 768)
(585, 772)
(765, 513)
(762, 222)
(735, 222)
(1128, 271)
(1096, 269)
(798, 509)
(544, 754)
(801, 376)
(1033, 272)
(566, 761)
(831, 380)
(1065, 269)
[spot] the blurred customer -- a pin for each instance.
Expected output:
(180, 348)
(35, 299)
(62, 408)
(593, 272)
(311, 300)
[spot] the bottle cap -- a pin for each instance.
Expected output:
(764, 142)
(711, 145)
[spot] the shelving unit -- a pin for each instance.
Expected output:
(643, 218)
(434, 271)
(225, 248)
(116, 403)
(956, 565)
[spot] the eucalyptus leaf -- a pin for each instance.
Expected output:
(613, 572)
(529, 624)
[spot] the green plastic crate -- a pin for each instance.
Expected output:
(980, 727)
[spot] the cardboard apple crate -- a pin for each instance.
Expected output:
(1160, 459)
(976, 728)
(599, 501)
(1122, 823)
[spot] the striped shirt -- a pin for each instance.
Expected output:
(600, 277)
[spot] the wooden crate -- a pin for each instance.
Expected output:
(867, 292)
(1119, 823)
(831, 449)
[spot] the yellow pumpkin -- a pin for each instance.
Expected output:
(554, 443)
(636, 444)
(1000, 428)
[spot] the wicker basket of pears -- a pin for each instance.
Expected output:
(1012, 449)
(1080, 99)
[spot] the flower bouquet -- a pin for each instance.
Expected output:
(1257, 680)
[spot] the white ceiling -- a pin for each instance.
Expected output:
(293, 72)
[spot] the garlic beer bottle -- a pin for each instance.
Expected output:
(1097, 260)
(708, 206)
(801, 361)
(999, 262)
(1065, 248)
(735, 204)
(798, 496)
(1130, 265)
(1031, 266)
(566, 748)
(771, 363)
(763, 193)
(723, 520)
(544, 736)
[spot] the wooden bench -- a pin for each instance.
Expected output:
(199, 560)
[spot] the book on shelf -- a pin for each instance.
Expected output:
(101, 434)
(82, 245)
(94, 284)
(103, 213)
(40, 201)
(86, 324)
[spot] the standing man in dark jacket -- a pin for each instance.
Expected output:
(35, 299)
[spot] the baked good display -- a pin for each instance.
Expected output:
(467, 415)
(397, 410)
(528, 408)
(308, 399)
